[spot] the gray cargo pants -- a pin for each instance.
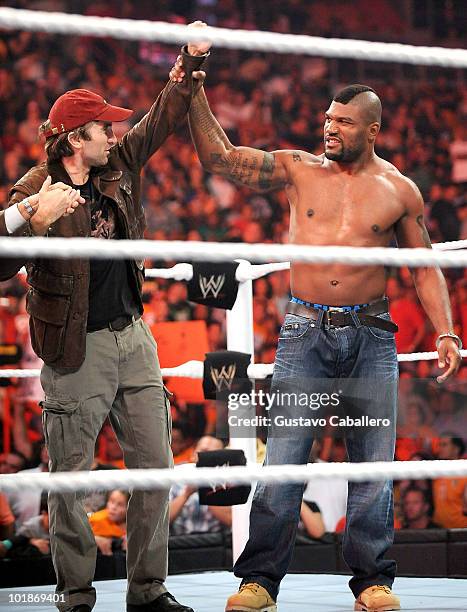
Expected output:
(119, 378)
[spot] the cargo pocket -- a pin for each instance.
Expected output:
(49, 315)
(167, 395)
(61, 421)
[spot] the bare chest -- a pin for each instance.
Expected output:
(342, 210)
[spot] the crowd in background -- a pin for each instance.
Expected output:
(268, 101)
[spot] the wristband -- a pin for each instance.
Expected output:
(28, 207)
(455, 337)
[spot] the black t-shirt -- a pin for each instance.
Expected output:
(112, 285)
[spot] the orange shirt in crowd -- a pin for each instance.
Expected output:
(448, 498)
(409, 317)
(409, 442)
(6, 515)
(185, 456)
(340, 527)
(102, 526)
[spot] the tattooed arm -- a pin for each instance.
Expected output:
(431, 286)
(253, 168)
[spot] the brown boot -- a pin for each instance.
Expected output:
(251, 597)
(378, 598)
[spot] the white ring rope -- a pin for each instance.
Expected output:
(66, 248)
(194, 368)
(179, 272)
(278, 474)
(184, 271)
(426, 356)
(131, 29)
(450, 246)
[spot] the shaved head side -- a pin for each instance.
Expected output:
(363, 96)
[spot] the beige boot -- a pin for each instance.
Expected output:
(377, 598)
(251, 597)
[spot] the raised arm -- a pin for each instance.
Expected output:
(259, 170)
(431, 286)
(164, 117)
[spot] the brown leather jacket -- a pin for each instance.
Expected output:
(57, 301)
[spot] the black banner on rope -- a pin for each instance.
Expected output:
(214, 284)
(224, 372)
(223, 494)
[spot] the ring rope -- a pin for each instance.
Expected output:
(132, 29)
(66, 248)
(184, 271)
(273, 474)
(450, 246)
(194, 368)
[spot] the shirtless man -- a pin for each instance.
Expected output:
(346, 196)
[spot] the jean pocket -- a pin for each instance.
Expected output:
(295, 327)
(381, 334)
(61, 420)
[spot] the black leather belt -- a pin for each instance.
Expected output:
(121, 322)
(336, 317)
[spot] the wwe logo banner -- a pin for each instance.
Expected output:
(213, 284)
(225, 494)
(225, 371)
(224, 377)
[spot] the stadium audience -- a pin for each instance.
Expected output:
(109, 524)
(7, 520)
(25, 504)
(32, 537)
(187, 515)
(450, 493)
(416, 510)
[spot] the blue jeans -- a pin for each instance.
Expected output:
(310, 352)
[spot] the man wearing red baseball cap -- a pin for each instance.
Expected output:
(100, 357)
(78, 107)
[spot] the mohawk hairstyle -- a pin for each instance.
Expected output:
(370, 104)
(348, 93)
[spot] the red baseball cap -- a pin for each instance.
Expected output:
(79, 106)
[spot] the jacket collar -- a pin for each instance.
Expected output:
(58, 173)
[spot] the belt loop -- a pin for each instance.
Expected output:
(319, 320)
(355, 319)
